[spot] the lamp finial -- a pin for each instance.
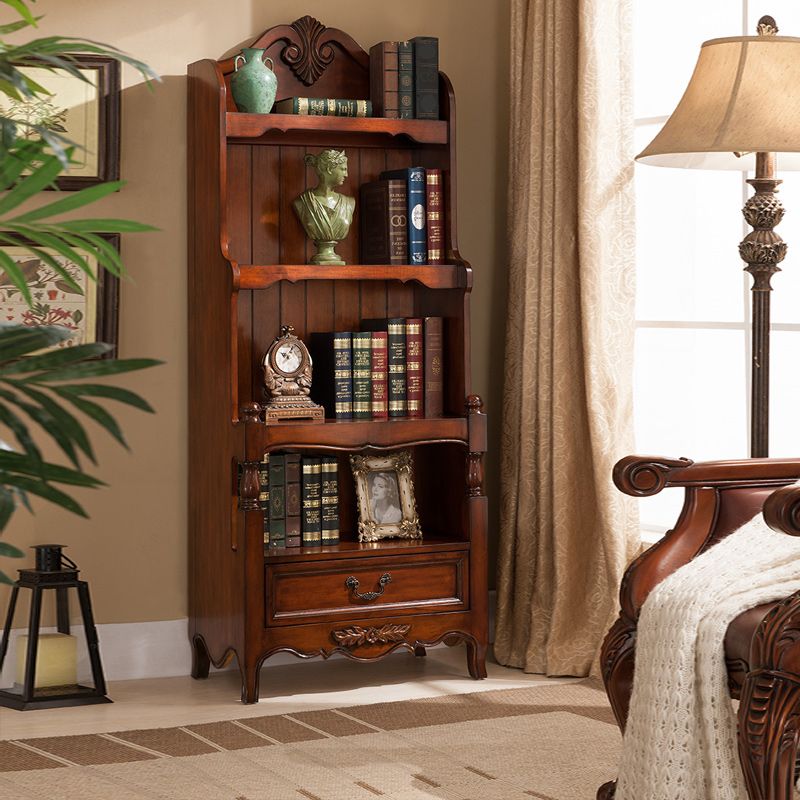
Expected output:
(767, 26)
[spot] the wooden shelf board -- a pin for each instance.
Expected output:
(357, 434)
(253, 126)
(444, 276)
(352, 549)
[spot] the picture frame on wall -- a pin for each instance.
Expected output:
(385, 491)
(85, 112)
(93, 315)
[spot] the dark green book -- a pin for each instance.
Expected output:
(426, 77)
(332, 385)
(362, 384)
(312, 502)
(330, 500)
(277, 500)
(293, 502)
(323, 107)
(396, 367)
(405, 79)
(263, 493)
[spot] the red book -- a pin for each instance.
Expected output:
(379, 373)
(434, 366)
(435, 214)
(414, 377)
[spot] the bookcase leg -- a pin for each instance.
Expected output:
(250, 676)
(419, 651)
(476, 659)
(201, 661)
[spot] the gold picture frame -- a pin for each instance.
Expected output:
(385, 492)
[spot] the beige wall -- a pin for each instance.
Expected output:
(133, 549)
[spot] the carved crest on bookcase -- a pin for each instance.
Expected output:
(308, 58)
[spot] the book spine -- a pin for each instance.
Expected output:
(405, 79)
(312, 502)
(396, 367)
(434, 208)
(324, 107)
(426, 77)
(277, 500)
(330, 500)
(263, 493)
(398, 222)
(362, 361)
(293, 501)
(433, 345)
(383, 82)
(417, 238)
(343, 375)
(414, 404)
(380, 391)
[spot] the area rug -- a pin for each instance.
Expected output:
(551, 742)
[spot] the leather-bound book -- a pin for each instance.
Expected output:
(362, 363)
(277, 500)
(263, 493)
(379, 367)
(323, 107)
(416, 223)
(384, 233)
(414, 374)
(433, 347)
(426, 77)
(293, 501)
(332, 383)
(330, 500)
(383, 80)
(312, 502)
(396, 361)
(405, 79)
(434, 212)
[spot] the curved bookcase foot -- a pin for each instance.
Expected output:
(201, 661)
(420, 651)
(476, 659)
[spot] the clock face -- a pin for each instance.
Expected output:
(288, 358)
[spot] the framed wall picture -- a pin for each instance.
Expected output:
(385, 492)
(93, 315)
(85, 112)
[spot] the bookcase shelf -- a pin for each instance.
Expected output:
(359, 434)
(446, 276)
(239, 126)
(248, 277)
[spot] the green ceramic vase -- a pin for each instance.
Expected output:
(253, 85)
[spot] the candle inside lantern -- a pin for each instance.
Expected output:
(56, 660)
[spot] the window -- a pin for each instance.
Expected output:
(692, 364)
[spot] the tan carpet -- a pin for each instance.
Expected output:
(551, 742)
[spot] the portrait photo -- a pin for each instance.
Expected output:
(385, 491)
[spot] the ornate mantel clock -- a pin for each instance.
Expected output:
(287, 380)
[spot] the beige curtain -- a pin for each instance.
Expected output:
(566, 533)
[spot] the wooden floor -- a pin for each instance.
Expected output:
(301, 686)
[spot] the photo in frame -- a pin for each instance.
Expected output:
(385, 492)
(92, 316)
(85, 112)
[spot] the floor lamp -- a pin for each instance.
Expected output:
(740, 109)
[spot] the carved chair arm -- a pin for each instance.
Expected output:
(643, 476)
(782, 510)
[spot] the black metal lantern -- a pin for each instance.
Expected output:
(55, 571)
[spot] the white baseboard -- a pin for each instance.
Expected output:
(136, 650)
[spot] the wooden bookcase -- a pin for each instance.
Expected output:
(247, 277)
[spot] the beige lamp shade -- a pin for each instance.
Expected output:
(744, 97)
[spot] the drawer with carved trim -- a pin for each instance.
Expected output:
(409, 584)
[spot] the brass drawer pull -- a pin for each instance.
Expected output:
(352, 584)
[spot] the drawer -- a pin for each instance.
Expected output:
(416, 584)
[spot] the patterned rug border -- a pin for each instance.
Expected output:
(44, 753)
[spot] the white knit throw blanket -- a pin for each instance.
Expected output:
(680, 738)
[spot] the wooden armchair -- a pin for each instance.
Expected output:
(762, 645)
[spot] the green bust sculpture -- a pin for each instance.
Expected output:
(324, 213)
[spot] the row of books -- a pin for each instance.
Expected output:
(390, 368)
(402, 217)
(300, 500)
(404, 78)
(403, 84)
